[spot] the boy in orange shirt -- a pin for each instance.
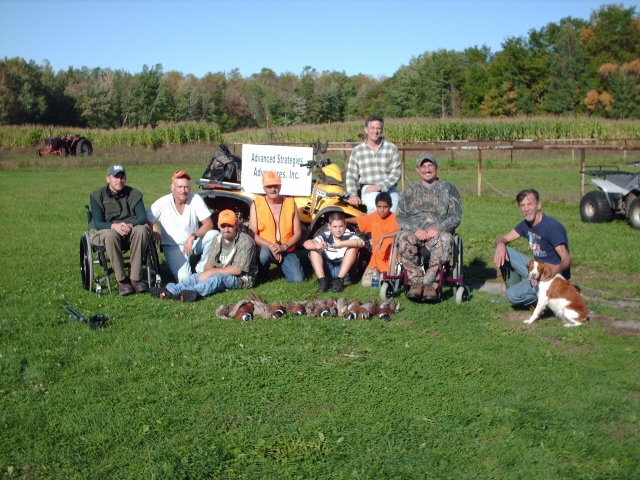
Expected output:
(383, 227)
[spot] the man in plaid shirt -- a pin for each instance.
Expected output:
(375, 165)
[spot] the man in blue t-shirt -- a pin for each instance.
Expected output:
(548, 242)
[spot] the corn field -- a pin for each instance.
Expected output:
(425, 130)
(171, 134)
(400, 130)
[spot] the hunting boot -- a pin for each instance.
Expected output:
(415, 292)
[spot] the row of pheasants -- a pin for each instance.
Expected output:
(254, 306)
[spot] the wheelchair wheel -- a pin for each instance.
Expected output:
(86, 262)
(457, 257)
(153, 265)
(463, 294)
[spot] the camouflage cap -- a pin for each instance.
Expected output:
(426, 157)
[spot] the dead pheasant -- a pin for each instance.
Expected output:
(366, 310)
(296, 308)
(223, 311)
(332, 305)
(276, 310)
(342, 303)
(243, 310)
(321, 307)
(385, 310)
(260, 307)
(313, 309)
(351, 312)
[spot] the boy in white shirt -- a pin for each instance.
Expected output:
(333, 253)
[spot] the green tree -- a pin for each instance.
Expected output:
(612, 37)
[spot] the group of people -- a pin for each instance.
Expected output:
(424, 215)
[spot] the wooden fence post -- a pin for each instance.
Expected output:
(479, 172)
(582, 156)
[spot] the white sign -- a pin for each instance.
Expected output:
(258, 159)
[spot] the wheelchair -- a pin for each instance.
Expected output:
(397, 279)
(92, 256)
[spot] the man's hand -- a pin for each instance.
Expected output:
(123, 229)
(188, 245)
(425, 235)
(206, 274)
(354, 200)
(372, 188)
(500, 257)
(156, 236)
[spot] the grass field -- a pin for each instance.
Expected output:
(167, 390)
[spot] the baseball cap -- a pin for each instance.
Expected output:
(271, 178)
(426, 157)
(181, 174)
(115, 169)
(227, 217)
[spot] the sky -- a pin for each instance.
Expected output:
(368, 37)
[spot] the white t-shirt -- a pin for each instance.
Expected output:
(176, 228)
(334, 254)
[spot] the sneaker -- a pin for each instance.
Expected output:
(125, 288)
(323, 285)
(186, 296)
(160, 293)
(338, 285)
(139, 287)
(429, 295)
(415, 293)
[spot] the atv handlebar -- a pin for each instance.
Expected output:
(316, 163)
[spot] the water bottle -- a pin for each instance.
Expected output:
(375, 281)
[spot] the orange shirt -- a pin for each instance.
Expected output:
(373, 223)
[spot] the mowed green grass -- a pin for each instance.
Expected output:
(167, 390)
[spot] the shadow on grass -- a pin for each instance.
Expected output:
(477, 271)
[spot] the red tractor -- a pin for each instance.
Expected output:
(66, 145)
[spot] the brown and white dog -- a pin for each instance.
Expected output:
(558, 294)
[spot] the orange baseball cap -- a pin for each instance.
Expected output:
(227, 217)
(181, 174)
(271, 178)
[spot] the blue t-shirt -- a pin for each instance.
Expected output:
(543, 240)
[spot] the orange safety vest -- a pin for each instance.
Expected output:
(267, 224)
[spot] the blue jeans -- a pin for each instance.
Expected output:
(290, 266)
(218, 282)
(332, 270)
(177, 260)
(369, 199)
(521, 293)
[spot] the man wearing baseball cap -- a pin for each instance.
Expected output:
(429, 211)
(186, 227)
(276, 228)
(119, 218)
(231, 265)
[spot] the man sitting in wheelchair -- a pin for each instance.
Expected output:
(429, 210)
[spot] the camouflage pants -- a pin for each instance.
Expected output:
(409, 254)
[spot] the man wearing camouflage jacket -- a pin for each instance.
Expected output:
(429, 210)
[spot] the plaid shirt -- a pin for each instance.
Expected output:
(244, 258)
(382, 168)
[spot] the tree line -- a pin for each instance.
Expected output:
(574, 66)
